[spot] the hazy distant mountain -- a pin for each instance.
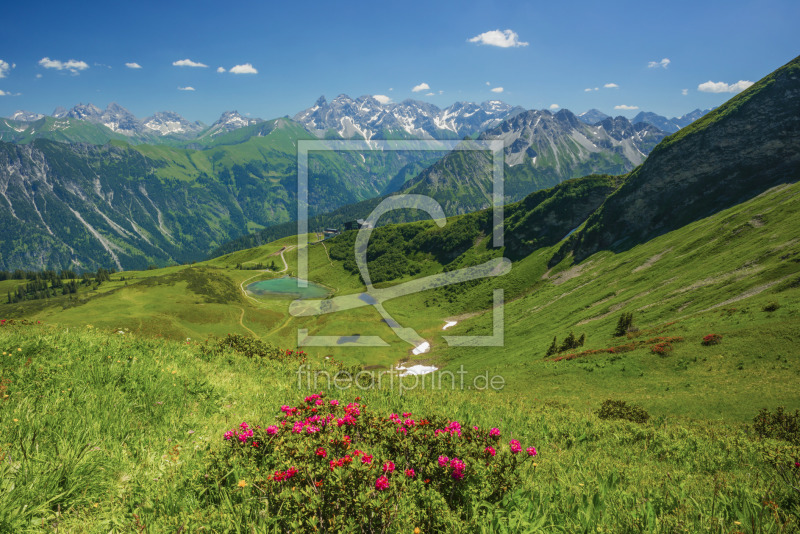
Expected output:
(367, 118)
(228, 122)
(592, 116)
(669, 125)
(26, 116)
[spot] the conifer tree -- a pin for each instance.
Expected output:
(553, 347)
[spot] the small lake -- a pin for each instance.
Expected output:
(287, 287)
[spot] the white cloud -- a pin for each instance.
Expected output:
(663, 63)
(497, 89)
(487, 83)
(187, 88)
(38, 75)
(441, 91)
(391, 88)
(383, 99)
(4, 68)
(421, 87)
(430, 94)
(72, 65)
(502, 39)
(722, 87)
(247, 68)
(684, 92)
(589, 89)
(221, 69)
(133, 65)
(554, 106)
(611, 86)
(3, 93)
(626, 107)
(188, 63)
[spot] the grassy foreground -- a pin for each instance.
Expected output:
(108, 432)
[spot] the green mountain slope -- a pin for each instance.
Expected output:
(740, 149)
(89, 206)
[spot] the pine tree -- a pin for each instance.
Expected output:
(581, 340)
(569, 342)
(553, 347)
(624, 324)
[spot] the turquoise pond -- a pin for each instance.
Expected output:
(287, 287)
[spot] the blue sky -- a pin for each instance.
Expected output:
(654, 56)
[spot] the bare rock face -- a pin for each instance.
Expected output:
(739, 150)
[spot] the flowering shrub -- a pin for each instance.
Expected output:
(330, 463)
(712, 339)
(662, 349)
(623, 348)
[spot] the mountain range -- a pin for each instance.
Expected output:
(109, 193)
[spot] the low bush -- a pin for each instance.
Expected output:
(778, 425)
(618, 409)
(343, 468)
(712, 339)
(662, 349)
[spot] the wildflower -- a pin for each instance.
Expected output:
(334, 402)
(443, 460)
(229, 434)
(255, 444)
(797, 464)
(272, 430)
(406, 414)
(409, 422)
(494, 432)
(531, 451)
(322, 453)
(319, 402)
(388, 467)
(367, 459)
(410, 473)
(490, 450)
(515, 446)
(292, 471)
(242, 483)
(244, 426)
(318, 483)
(382, 483)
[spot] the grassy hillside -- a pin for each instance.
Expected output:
(714, 276)
(137, 428)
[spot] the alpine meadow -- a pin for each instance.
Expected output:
(449, 305)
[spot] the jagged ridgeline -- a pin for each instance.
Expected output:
(542, 149)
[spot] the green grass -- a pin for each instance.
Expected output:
(675, 285)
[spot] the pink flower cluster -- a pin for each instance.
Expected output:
(515, 446)
(455, 464)
(382, 483)
(495, 432)
(247, 432)
(284, 475)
